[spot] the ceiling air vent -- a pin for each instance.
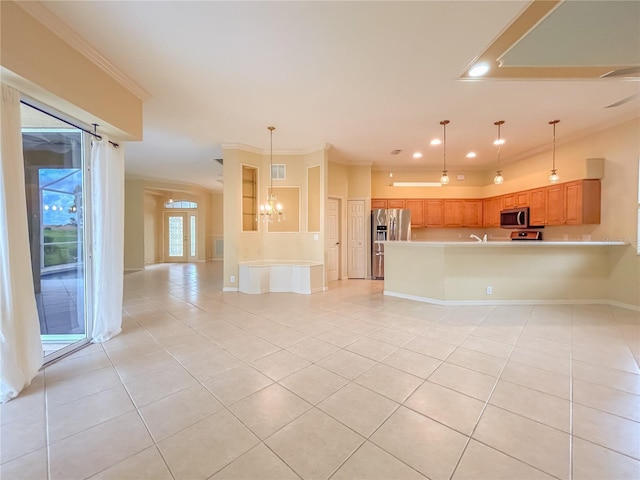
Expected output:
(395, 152)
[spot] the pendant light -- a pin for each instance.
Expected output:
(171, 198)
(444, 179)
(271, 210)
(554, 177)
(498, 179)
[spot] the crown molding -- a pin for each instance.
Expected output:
(45, 16)
(259, 151)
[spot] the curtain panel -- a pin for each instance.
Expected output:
(20, 345)
(107, 194)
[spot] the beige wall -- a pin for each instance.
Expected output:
(263, 244)
(40, 64)
(133, 225)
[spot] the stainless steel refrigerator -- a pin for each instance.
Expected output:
(392, 224)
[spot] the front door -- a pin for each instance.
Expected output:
(175, 237)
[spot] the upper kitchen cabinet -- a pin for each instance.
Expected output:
(433, 213)
(491, 208)
(582, 202)
(378, 203)
(453, 213)
(395, 203)
(472, 213)
(517, 199)
(555, 205)
(417, 212)
(538, 207)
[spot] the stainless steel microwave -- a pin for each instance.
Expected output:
(515, 218)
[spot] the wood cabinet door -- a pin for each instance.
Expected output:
(453, 213)
(417, 212)
(433, 214)
(573, 202)
(472, 213)
(509, 201)
(491, 211)
(538, 207)
(378, 203)
(395, 203)
(555, 205)
(522, 199)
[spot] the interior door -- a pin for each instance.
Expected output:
(175, 237)
(333, 239)
(356, 239)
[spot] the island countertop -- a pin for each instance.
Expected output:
(507, 243)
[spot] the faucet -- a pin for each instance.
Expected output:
(477, 238)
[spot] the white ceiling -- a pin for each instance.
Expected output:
(365, 77)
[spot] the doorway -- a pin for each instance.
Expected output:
(356, 243)
(180, 236)
(333, 239)
(58, 218)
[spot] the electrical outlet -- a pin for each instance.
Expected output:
(489, 290)
(232, 279)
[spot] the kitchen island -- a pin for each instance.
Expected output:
(501, 272)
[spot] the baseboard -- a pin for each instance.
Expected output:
(576, 301)
(230, 289)
(134, 269)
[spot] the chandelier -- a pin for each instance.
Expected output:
(271, 210)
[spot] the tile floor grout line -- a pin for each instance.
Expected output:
(572, 310)
(486, 403)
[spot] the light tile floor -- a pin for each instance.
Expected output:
(344, 384)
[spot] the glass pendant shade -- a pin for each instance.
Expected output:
(554, 177)
(498, 179)
(444, 179)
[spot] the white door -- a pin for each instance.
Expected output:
(356, 240)
(175, 237)
(333, 239)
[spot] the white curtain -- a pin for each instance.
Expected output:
(107, 193)
(21, 348)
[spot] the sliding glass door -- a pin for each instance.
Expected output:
(55, 157)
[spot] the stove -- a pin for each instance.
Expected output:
(526, 235)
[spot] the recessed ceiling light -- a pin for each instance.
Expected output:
(417, 155)
(471, 155)
(478, 70)
(436, 141)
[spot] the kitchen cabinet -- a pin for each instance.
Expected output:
(555, 205)
(472, 213)
(378, 203)
(395, 203)
(582, 202)
(433, 213)
(538, 207)
(491, 211)
(417, 212)
(517, 199)
(453, 213)
(570, 203)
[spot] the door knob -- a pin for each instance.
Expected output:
(337, 243)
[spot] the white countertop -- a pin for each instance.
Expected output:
(507, 243)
